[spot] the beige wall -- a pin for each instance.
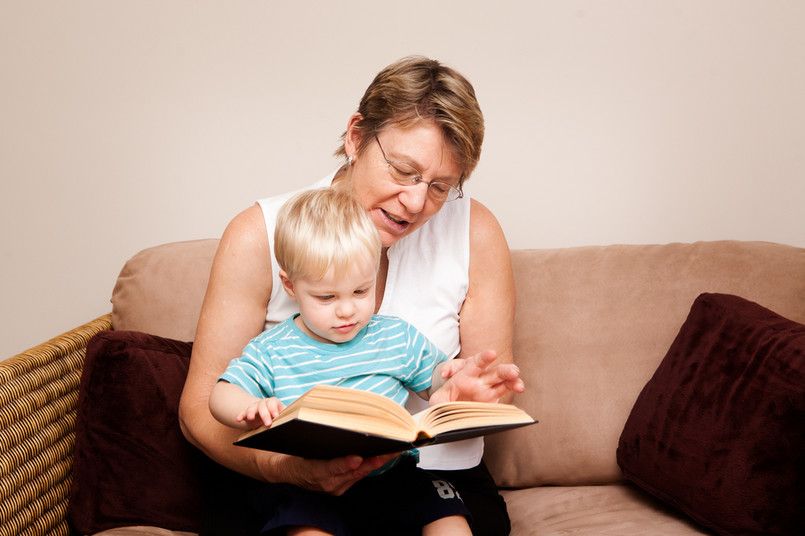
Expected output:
(128, 124)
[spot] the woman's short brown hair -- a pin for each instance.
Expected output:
(415, 88)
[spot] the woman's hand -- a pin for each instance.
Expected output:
(475, 378)
(333, 477)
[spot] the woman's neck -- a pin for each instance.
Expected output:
(382, 274)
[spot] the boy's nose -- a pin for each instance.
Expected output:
(344, 308)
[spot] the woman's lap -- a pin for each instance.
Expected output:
(228, 513)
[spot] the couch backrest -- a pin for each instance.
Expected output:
(592, 325)
(160, 289)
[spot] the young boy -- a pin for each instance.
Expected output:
(329, 252)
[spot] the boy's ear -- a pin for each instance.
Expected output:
(287, 284)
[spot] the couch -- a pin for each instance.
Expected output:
(667, 380)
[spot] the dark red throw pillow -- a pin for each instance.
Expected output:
(132, 465)
(719, 430)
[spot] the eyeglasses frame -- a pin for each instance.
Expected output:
(419, 179)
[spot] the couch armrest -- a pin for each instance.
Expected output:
(38, 395)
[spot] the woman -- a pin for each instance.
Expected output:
(414, 140)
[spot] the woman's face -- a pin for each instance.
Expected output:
(398, 210)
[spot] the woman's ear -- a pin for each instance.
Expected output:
(353, 135)
(287, 284)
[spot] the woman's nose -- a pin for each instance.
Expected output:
(414, 197)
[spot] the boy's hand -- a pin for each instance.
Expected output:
(261, 412)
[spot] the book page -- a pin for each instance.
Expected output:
(449, 416)
(369, 423)
(352, 409)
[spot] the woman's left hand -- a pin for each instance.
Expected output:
(476, 378)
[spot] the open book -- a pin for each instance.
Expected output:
(330, 421)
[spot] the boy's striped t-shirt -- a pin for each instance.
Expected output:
(387, 357)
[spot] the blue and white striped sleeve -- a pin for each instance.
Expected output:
(426, 356)
(250, 373)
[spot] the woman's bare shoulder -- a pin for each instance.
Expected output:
(246, 230)
(485, 230)
(241, 272)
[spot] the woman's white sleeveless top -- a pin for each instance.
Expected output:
(427, 282)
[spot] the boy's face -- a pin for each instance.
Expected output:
(334, 309)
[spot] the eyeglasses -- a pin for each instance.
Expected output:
(408, 175)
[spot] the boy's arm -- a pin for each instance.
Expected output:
(236, 408)
(437, 381)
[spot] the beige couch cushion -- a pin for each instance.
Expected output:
(160, 289)
(614, 509)
(142, 531)
(593, 324)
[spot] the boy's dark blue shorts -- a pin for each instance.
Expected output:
(398, 502)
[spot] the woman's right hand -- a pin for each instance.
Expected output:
(332, 477)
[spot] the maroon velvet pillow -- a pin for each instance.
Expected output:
(132, 465)
(719, 430)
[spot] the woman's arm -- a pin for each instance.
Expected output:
(484, 370)
(487, 316)
(233, 313)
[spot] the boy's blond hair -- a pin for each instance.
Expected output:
(323, 228)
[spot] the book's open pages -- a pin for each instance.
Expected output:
(449, 416)
(356, 410)
(330, 421)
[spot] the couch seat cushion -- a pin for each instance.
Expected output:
(619, 509)
(142, 530)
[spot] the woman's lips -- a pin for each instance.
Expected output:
(395, 220)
